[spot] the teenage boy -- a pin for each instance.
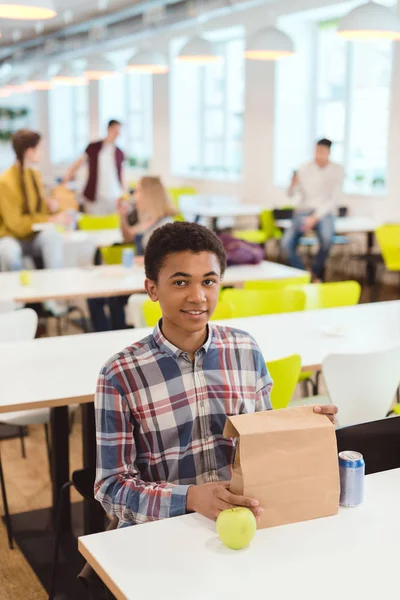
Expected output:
(161, 404)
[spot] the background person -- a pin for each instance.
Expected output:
(104, 186)
(152, 209)
(319, 184)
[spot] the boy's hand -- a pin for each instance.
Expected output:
(210, 499)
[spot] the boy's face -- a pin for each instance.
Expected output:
(187, 289)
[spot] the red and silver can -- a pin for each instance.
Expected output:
(352, 473)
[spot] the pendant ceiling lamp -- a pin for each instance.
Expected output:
(27, 10)
(370, 21)
(39, 80)
(69, 75)
(16, 85)
(98, 67)
(147, 61)
(269, 44)
(199, 51)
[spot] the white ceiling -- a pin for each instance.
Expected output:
(68, 11)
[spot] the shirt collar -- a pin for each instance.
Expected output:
(166, 346)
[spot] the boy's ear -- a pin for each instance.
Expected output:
(151, 289)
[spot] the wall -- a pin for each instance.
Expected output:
(260, 114)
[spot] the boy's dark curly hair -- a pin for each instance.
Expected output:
(180, 237)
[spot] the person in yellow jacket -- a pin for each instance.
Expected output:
(22, 205)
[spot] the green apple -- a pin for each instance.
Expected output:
(25, 277)
(236, 527)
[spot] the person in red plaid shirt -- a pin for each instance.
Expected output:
(161, 404)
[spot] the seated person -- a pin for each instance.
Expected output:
(161, 404)
(22, 204)
(151, 210)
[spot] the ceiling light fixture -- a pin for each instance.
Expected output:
(269, 44)
(98, 67)
(27, 10)
(147, 61)
(39, 80)
(369, 22)
(199, 51)
(69, 75)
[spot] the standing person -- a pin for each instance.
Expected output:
(319, 184)
(161, 404)
(22, 205)
(152, 209)
(104, 186)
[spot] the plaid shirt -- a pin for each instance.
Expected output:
(160, 418)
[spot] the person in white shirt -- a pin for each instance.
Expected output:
(104, 186)
(319, 185)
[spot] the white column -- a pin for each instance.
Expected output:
(94, 111)
(258, 136)
(43, 127)
(160, 163)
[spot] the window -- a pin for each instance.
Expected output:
(140, 119)
(353, 104)
(69, 126)
(207, 106)
(128, 98)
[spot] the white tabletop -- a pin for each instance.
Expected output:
(343, 225)
(114, 280)
(63, 370)
(353, 555)
(216, 206)
(99, 237)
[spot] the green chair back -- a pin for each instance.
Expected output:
(277, 284)
(175, 193)
(285, 374)
(112, 255)
(330, 295)
(91, 222)
(267, 223)
(252, 303)
(388, 237)
(152, 312)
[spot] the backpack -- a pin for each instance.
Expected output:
(240, 252)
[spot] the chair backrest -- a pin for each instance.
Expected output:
(152, 312)
(388, 237)
(252, 303)
(362, 385)
(277, 284)
(378, 442)
(91, 222)
(175, 193)
(331, 295)
(18, 325)
(285, 374)
(112, 255)
(267, 223)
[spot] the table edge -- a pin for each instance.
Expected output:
(50, 403)
(100, 571)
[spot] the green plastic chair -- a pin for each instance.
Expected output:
(152, 312)
(112, 255)
(277, 284)
(388, 238)
(251, 303)
(285, 374)
(92, 222)
(175, 193)
(260, 236)
(330, 295)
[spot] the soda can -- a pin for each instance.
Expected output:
(127, 257)
(352, 472)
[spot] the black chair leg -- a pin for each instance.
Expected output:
(22, 439)
(6, 512)
(57, 540)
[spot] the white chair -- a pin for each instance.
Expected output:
(363, 385)
(20, 326)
